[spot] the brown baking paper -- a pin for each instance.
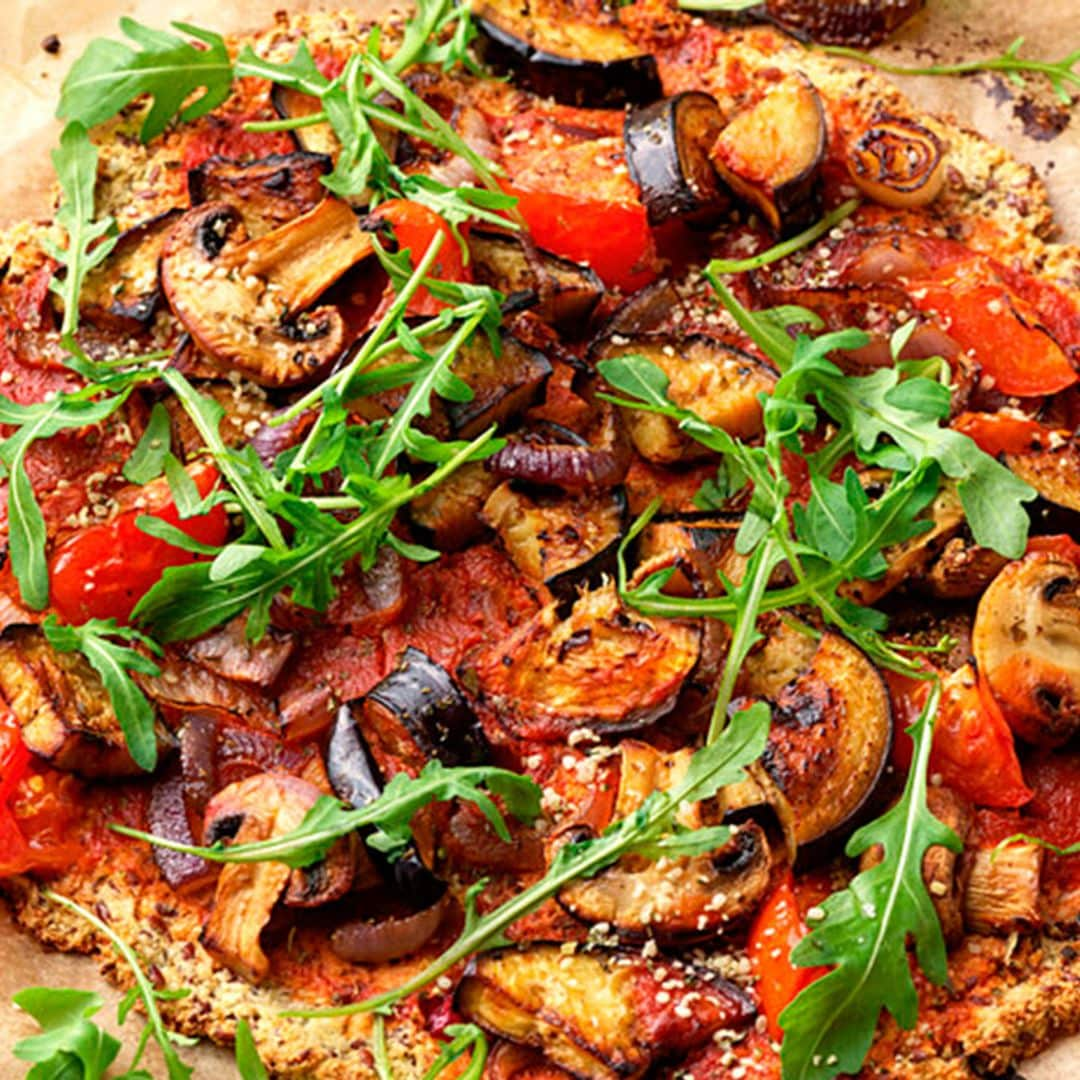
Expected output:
(1028, 121)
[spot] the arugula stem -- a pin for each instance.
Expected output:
(742, 634)
(291, 123)
(786, 247)
(176, 1067)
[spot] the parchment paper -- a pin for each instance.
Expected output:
(1028, 121)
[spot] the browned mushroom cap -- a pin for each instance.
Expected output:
(250, 810)
(1027, 643)
(1002, 894)
(672, 899)
(241, 301)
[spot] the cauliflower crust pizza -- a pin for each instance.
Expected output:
(541, 542)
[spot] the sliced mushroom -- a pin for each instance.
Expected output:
(268, 192)
(831, 732)
(720, 383)
(258, 808)
(770, 155)
(1002, 895)
(598, 1014)
(66, 715)
(673, 900)
(240, 300)
(602, 667)
(942, 871)
(1026, 641)
(123, 293)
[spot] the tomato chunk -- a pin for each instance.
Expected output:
(612, 237)
(103, 571)
(1002, 332)
(973, 752)
(415, 226)
(777, 928)
(1000, 433)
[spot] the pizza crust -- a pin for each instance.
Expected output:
(1028, 993)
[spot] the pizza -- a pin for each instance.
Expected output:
(541, 541)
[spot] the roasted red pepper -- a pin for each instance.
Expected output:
(103, 571)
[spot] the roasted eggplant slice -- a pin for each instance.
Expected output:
(416, 714)
(717, 381)
(699, 548)
(547, 50)
(563, 541)
(667, 153)
(1054, 472)
(235, 298)
(267, 192)
(831, 732)
(258, 808)
(61, 704)
(843, 22)
(771, 154)
(562, 293)
(602, 667)
(123, 293)
(1026, 642)
(450, 514)
(599, 1015)
(898, 163)
(501, 385)
(673, 900)
(356, 780)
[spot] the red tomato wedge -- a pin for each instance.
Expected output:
(777, 928)
(973, 752)
(103, 571)
(1000, 433)
(415, 226)
(612, 237)
(1002, 332)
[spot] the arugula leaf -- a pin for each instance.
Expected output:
(114, 663)
(147, 461)
(88, 241)
(70, 1045)
(111, 74)
(829, 1027)
(248, 1063)
(463, 1039)
(26, 526)
(390, 815)
(176, 1068)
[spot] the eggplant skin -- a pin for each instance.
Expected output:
(842, 22)
(506, 42)
(61, 703)
(416, 714)
(667, 153)
(831, 733)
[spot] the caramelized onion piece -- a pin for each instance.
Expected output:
(572, 468)
(364, 942)
(898, 163)
(843, 22)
